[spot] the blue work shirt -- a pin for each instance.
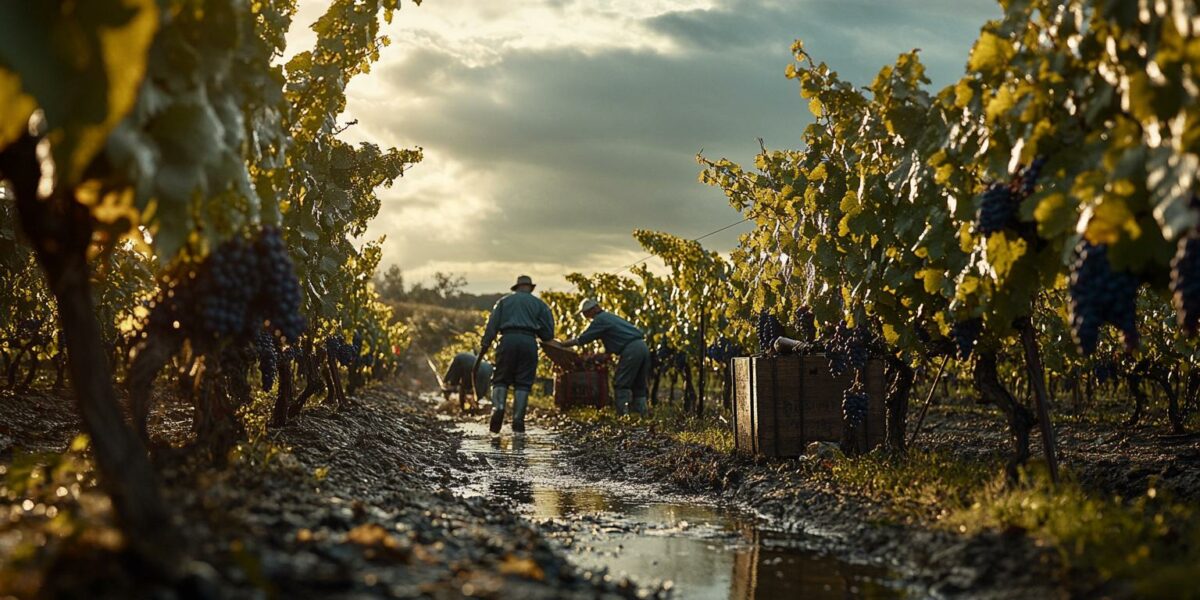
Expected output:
(519, 312)
(614, 331)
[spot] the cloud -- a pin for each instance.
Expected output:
(553, 129)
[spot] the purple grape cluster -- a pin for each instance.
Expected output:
(1185, 282)
(806, 324)
(221, 288)
(1100, 295)
(854, 405)
(242, 284)
(1030, 176)
(280, 287)
(966, 335)
(345, 354)
(997, 209)
(723, 350)
(768, 329)
(847, 348)
(268, 359)
(999, 206)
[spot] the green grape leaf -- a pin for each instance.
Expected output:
(83, 63)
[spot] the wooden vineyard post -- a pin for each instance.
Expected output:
(703, 322)
(1037, 377)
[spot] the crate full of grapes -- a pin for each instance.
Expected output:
(784, 402)
(580, 380)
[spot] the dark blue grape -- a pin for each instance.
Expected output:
(997, 210)
(854, 405)
(966, 335)
(1185, 283)
(1101, 296)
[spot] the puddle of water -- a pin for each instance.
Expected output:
(705, 551)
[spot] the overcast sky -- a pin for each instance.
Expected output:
(553, 128)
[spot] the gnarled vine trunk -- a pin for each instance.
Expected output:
(899, 389)
(60, 230)
(1020, 420)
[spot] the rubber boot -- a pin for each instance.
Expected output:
(499, 395)
(623, 398)
(520, 401)
(640, 406)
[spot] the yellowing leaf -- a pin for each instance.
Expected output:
(1109, 220)
(1003, 253)
(82, 67)
(943, 173)
(963, 93)
(890, 334)
(1054, 215)
(15, 108)
(818, 173)
(932, 280)
(990, 53)
(815, 107)
(1000, 103)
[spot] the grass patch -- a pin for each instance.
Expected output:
(709, 430)
(1151, 540)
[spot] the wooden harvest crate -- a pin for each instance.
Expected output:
(579, 380)
(578, 389)
(782, 403)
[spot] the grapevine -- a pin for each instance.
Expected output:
(997, 210)
(847, 348)
(854, 405)
(268, 359)
(1185, 282)
(966, 335)
(768, 329)
(1101, 296)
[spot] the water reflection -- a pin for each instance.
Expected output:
(707, 552)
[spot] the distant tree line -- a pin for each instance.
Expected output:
(446, 290)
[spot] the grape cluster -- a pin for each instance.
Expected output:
(1029, 177)
(854, 405)
(1100, 295)
(268, 360)
(722, 350)
(806, 324)
(999, 205)
(242, 284)
(997, 209)
(966, 335)
(1185, 282)
(680, 361)
(847, 348)
(224, 290)
(345, 354)
(279, 284)
(768, 329)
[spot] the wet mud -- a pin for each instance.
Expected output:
(689, 545)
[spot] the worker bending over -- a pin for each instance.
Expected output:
(458, 379)
(520, 319)
(620, 337)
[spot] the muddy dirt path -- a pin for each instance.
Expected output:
(689, 545)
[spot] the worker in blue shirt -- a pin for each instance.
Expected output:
(458, 379)
(520, 319)
(620, 337)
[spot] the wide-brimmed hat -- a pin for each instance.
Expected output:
(587, 304)
(523, 280)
